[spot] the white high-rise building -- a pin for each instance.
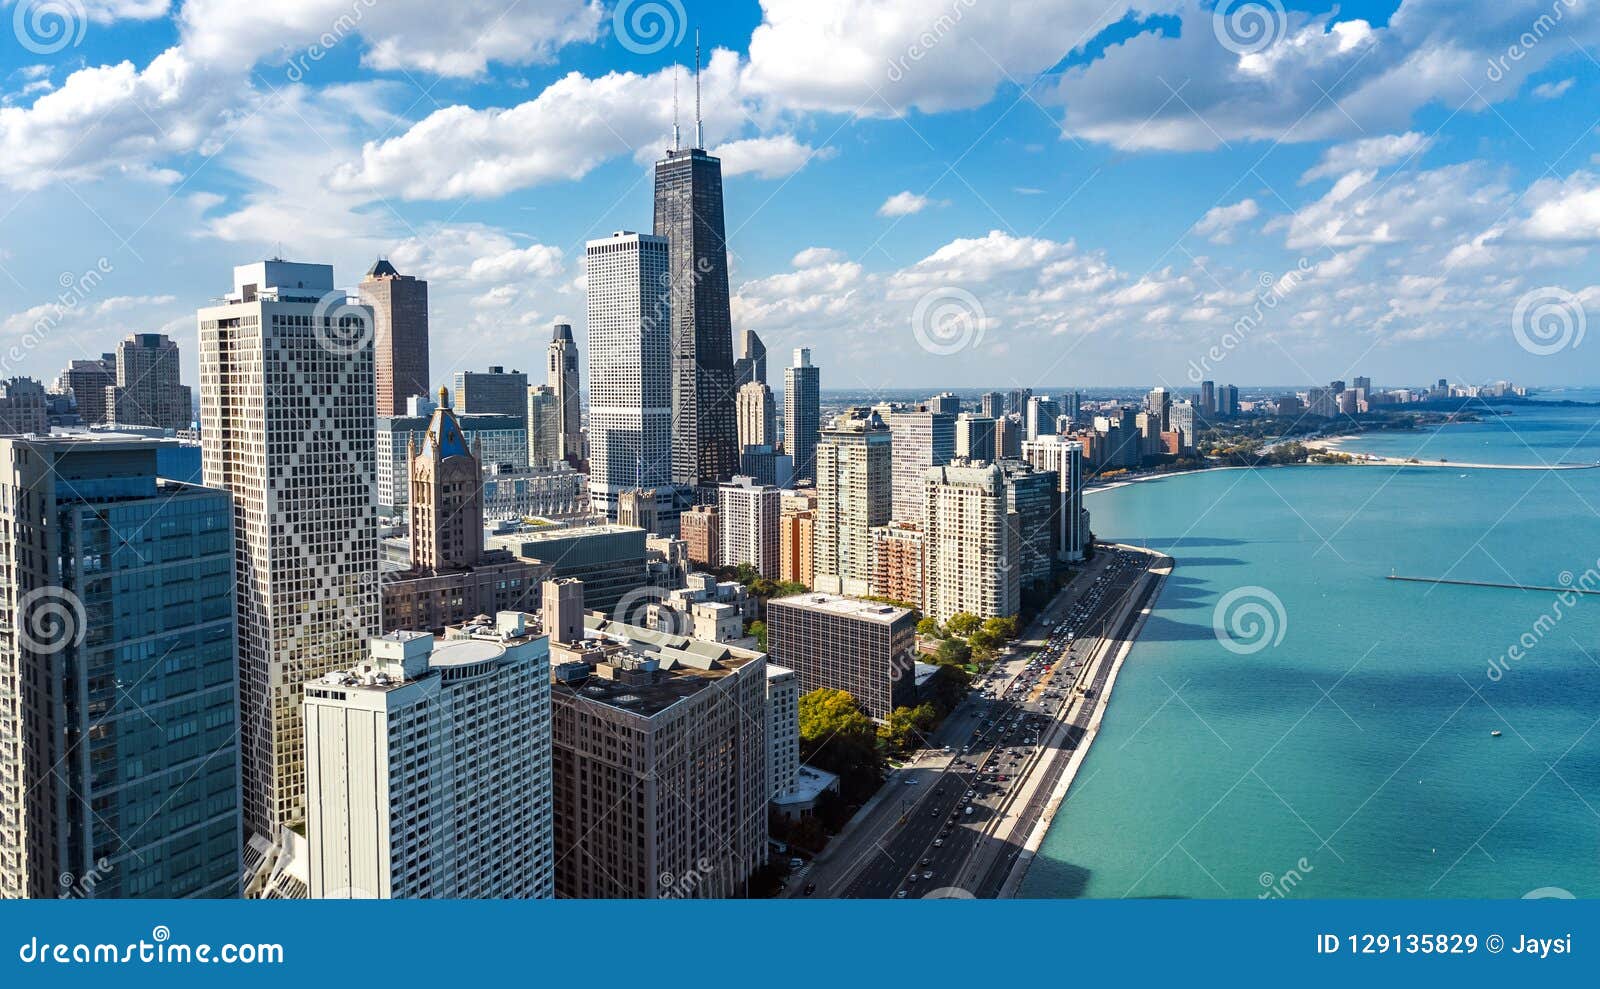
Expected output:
(428, 768)
(783, 728)
(973, 544)
(1065, 457)
(748, 528)
(287, 410)
(630, 367)
(922, 439)
(544, 426)
(757, 415)
(854, 493)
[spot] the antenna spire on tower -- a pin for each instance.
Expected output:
(699, 128)
(677, 141)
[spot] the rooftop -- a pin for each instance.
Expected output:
(840, 605)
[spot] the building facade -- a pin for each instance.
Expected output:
(864, 648)
(287, 428)
(701, 529)
(749, 514)
(561, 377)
(897, 562)
(492, 392)
(797, 537)
(399, 335)
(119, 746)
(802, 416)
(24, 408)
(428, 768)
(973, 544)
(855, 478)
(922, 439)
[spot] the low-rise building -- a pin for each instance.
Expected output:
(864, 648)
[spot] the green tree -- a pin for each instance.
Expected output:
(929, 628)
(1002, 629)
(758, 629)
(905, 727)
(963, 624)
(953, 652)
(837, 737)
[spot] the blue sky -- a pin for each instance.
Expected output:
(925, 192)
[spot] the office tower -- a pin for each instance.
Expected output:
(655, 510)
(760, 463)
(1159, 404)
(921, 439)
(630, 362)
(1017, 400)
(783, 729)
(802, 416)
(752, 362)
(1228, 401)
(973, 544)
(1182, 420)
(119, 750)
(609, 559)
(749, 524)
(1008, 436)
(1040, 419)
(544, 427)
(1361, 383)
(562, 612)
(945, 402)
(661, 780)
(428, 768)
(399, 335)
(1031, 495)
(855, 478)
(149, 391)
(864, 648)
(287, 427)
(88, 381)
(1064, 458)
(495, 392)
(24, 408)
(1208, 398)
(975, 437)
(991, 405)
(701, 528)
(561, 377)
(897, 562)
(452, 578)
(797, 537)
(688, 215)
(758, 416)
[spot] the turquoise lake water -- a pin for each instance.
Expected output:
(1352, 757)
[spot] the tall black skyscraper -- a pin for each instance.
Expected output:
(688, 207)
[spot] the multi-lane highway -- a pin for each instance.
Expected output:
(932, 831)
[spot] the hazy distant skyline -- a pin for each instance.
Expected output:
(1003, 194)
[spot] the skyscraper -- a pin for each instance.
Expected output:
(975, 437)
(688, 214)
(973, 544)
(149, 390)
(748, 513)
(922, 439)
(1208, 398)
(495, 391)
(1064, 458)
(88, 381)
(24, 408)
(1040, 419)
(864, 648)
(802, 415)
(946, 402)
(544, 426)
(855, 477)
(400, 337)
(630, 367)
(561, 375)
(428, 768)
(1159, 404)
(1228, 401)
(119, 746)
(752, 362)
(286, 379)
(992, 404)
(757, 416)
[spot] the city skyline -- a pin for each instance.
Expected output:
(1398, 222)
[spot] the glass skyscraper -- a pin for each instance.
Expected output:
(119, 754)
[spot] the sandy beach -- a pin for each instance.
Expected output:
(1335, 444)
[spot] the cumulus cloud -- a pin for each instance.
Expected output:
(1368, 153)
(768, 157)
(1553, 90)
(1219, 222)
(903, 204)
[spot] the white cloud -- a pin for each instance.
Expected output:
(1219, 222)
(1368, 153)
(903, 204)
(768, 157)
(1562, 210)
(1553, 90)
